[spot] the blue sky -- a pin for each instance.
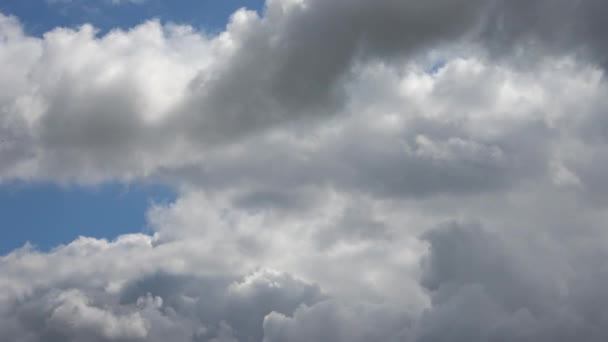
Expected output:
(39, 16)
(47, 215)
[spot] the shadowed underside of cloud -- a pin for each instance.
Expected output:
(480, 289)
(319, 148)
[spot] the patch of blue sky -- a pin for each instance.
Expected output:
(47, 215)
(436, 66)
(40, 16)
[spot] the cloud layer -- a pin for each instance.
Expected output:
(347, 170)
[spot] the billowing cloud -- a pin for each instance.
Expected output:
(347, 171)
(481, 285)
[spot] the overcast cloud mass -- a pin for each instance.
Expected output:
(348, 170)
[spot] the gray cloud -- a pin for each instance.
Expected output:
(562, 27)
(156, 307)
(290, 63)
(178, 105)
(330, 140)
(481, 285)
(498, 292)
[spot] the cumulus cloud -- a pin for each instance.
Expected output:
(319, 148)
(482, 285)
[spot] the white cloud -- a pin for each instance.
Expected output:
(318, 150)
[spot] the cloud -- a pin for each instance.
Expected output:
(318, 149)
(171, 103)
(481, 285)
(172, 90)
(290, 63)
(333, 321)
(558, 27)
(500, 292)
(128, 305)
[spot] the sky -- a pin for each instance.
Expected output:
(40, 16)
(303, 170)
(47, 215)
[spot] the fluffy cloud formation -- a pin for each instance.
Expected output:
(480, 287)
(348, 171)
